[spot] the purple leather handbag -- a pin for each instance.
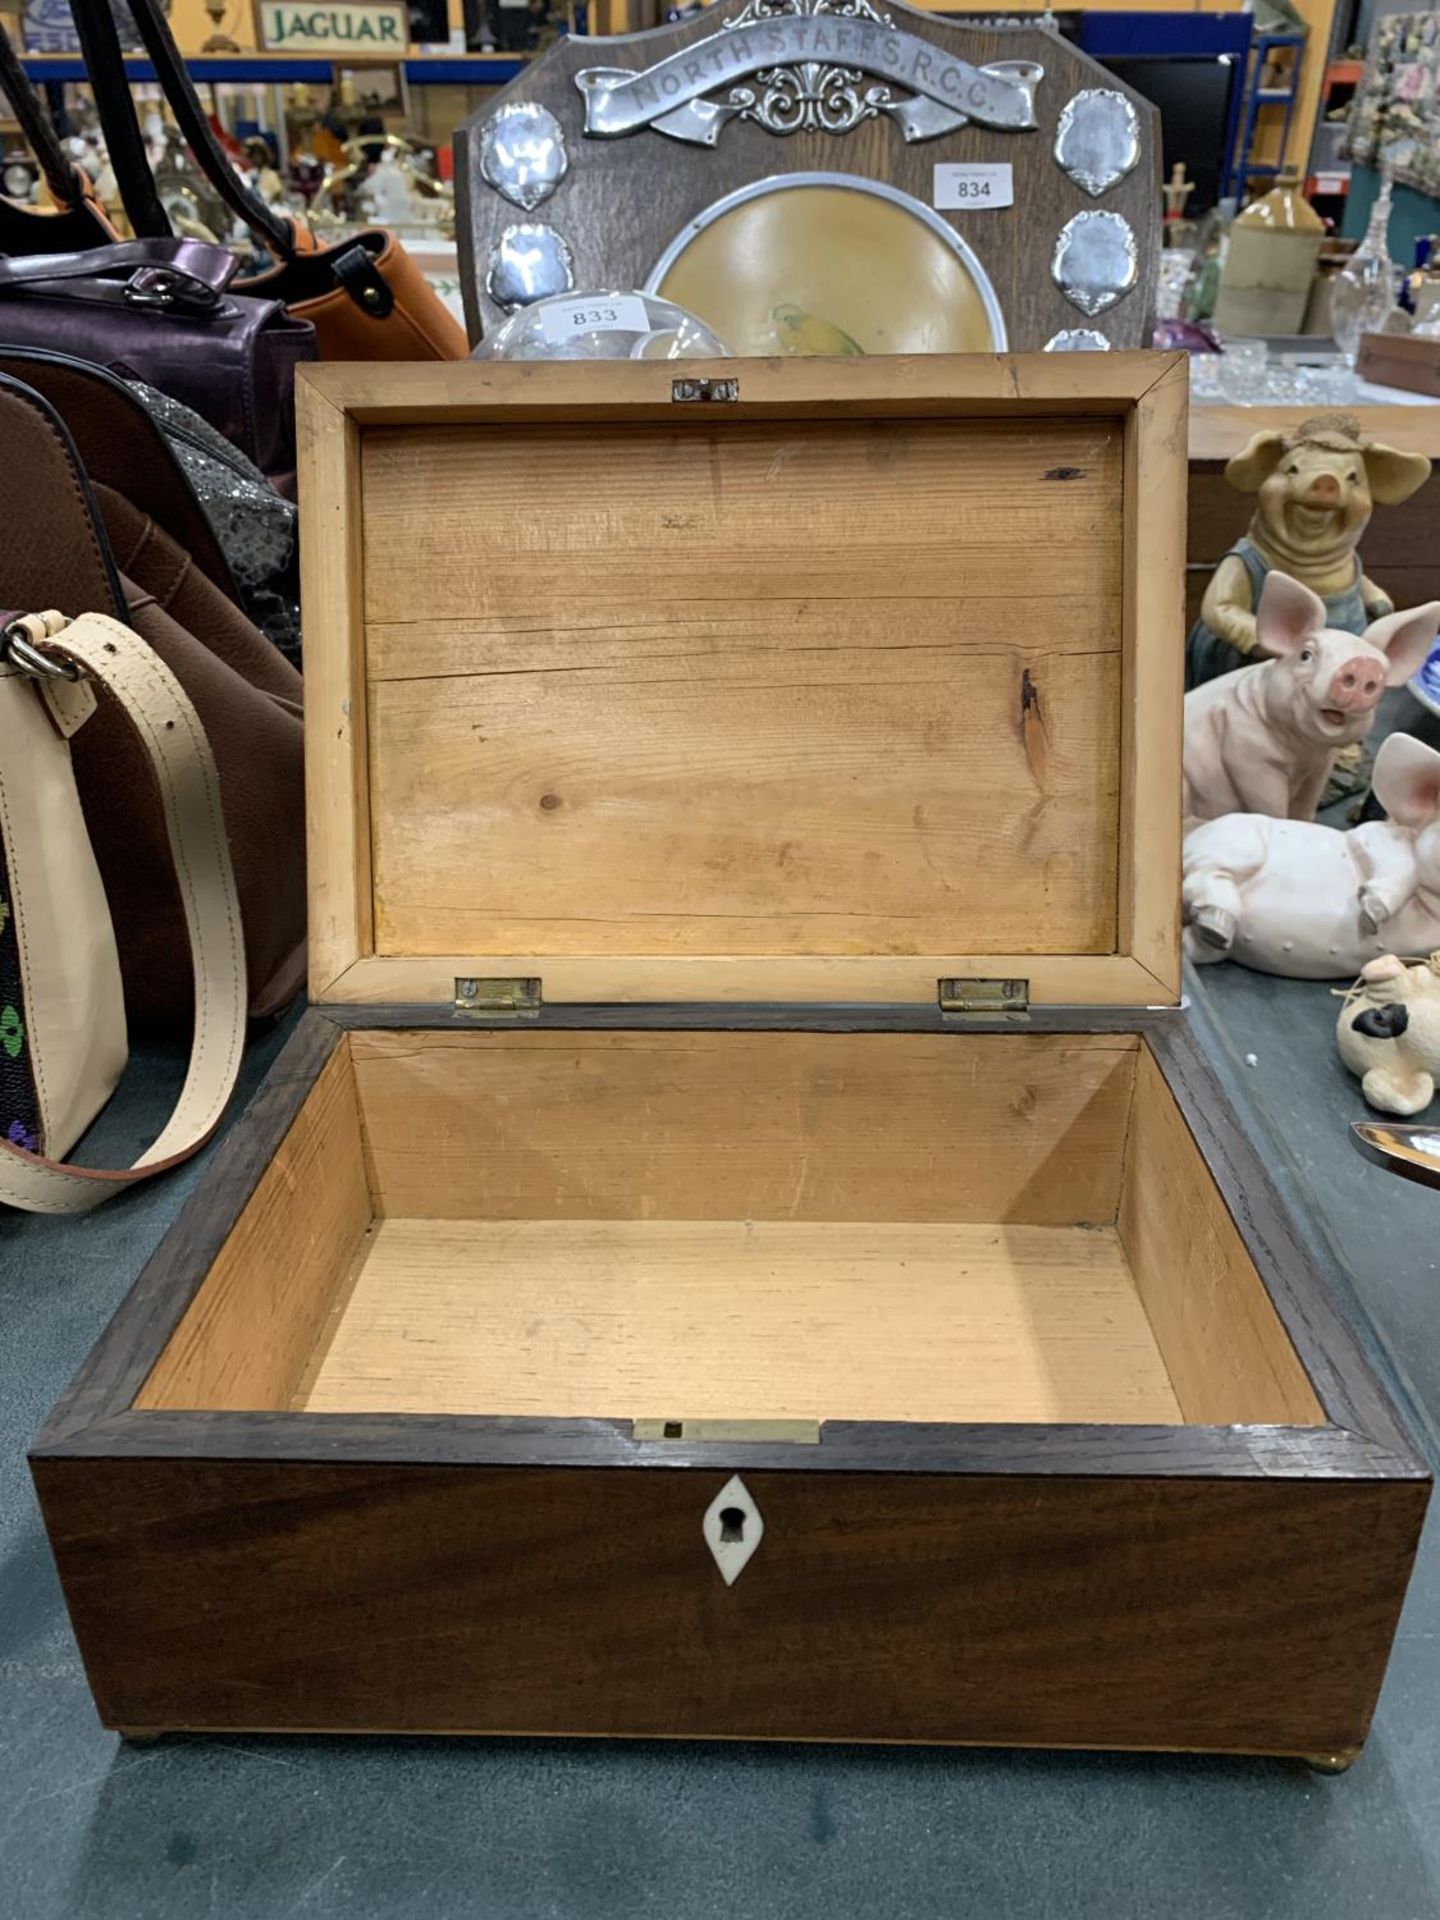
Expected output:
(160, 310)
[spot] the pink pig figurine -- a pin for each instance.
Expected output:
(1264, 738)
(1297, 898)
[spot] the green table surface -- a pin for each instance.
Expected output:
(227, 1829)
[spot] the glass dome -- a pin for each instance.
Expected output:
(602, 326)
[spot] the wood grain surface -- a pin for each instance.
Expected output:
(1152, 709)
(1228, 1354)
(337, 805)
(652, 720)
(1205, 1614)
(1217, 432)
(251, 1328)
(624, 199)
(671, 984)
(745, 1320)
(689, 774)
(527, 1124)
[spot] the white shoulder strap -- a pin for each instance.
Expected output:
(175, 743)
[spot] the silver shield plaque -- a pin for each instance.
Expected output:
(522, 154)
(1094, 263)
(1077, 340)
(528, 262)
(1097, 141)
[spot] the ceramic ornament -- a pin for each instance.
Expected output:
(1315, 490)
(1388, 1033)
(1295, 898)
(1264, 738)
(1095, 262)
(522, 153)
(1097, 140)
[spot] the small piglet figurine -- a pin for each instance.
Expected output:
(1264, 738)
(1293, 897)
(1389, 1033)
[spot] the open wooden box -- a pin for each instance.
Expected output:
(744, 1242)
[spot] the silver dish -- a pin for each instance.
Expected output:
(522, 154)
(1097, 140)
(851, 183)
(1095, 262)
(527, 263)
(1411, 1151)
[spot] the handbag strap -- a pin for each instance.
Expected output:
(124, 141)
(264, 222)
(68, 186)
(179, 275)
(96, 647)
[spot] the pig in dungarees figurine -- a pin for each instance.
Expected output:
(1316, 487)
(1264, 738)
(1293, 897)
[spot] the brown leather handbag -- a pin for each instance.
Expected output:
(85, 548)
(364, 295)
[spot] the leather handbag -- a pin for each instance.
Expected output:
(161, 310)
(62, 1016)
(74, 543)
(78, 219)
(197, 487)
(364, 295)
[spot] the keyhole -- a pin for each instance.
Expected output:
(732, 1524)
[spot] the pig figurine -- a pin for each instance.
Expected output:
(1264, 738)
(1316, 488)
(1294, 897)
(1388, 1033)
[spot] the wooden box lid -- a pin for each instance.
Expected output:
(862, 679)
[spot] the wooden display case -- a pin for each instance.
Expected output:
(744, 1242)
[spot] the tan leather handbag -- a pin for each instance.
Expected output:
(62, 1009)
(364, 295)
(113, 543)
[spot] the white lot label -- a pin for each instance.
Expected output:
(622, 312)
(963, 184)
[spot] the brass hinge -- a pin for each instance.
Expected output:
(800, 1433)
(985, 999)
(510, 998)
(704, 389)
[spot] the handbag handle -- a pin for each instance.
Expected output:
(273, 229)
(68, 186)
(164, 276)
(124, 141)
(96, 647)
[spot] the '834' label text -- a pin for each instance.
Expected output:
(973, 185)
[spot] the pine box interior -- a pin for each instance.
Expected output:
(686, 769)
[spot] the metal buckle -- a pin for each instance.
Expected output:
(39, 665)
(161, 289)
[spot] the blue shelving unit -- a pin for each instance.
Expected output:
(1240, 167)
(258, 69)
